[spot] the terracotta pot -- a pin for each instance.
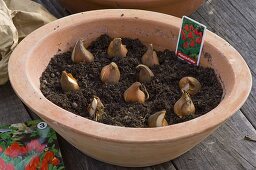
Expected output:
(133, 147)
(173, 7)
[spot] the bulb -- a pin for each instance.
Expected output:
(150, 57)
(184, 106)
(157, 119)
(81, 54)
(110, 73)
(190, 85)
(135, 94)
(145, 74)
(116, 48)
(96, 108)
(68, 82)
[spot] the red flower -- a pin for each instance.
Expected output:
(5, 166)
(192, 43)
(186, 27)
(183, 35)
(55, 161)
(35, 145)
(15, 150)
(198, 40)
(49, 155)
(30, 168)
(191, 27)
(9, 167)
(2, 163)
(185, 44)
(190, 35)
(49, 158)
(44, 166)
(33, 164)
(196, 32)
(200, 34)
(1, 149)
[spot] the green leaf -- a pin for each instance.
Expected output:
(61, 167)
(34, 134)
(6, 135)
(50, 166)
(19, 163)
(55, 151)
(55, 168)
(33, 122)
(6, 158)
(3, 144)
(50, 140)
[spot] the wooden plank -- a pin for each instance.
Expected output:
(225, 149)
(235, 21)
(11, 108)
(249, 108)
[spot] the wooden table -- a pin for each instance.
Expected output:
(235, 21)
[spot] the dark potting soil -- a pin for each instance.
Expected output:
(163, 89)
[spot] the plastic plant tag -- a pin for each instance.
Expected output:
(29, 145)
(190, 40)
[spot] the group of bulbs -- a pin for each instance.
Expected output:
(137, 92)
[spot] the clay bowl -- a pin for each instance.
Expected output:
(173, 7)
(132, 147)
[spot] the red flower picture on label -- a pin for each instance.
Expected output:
(44, 166)
(192, 43)
(15, 150)
(191, 27)
(198, 40)
(6, 166)
(35, 145)
(190, 40)
(26, 147)
(48, 156)
(33, 164)
(200, 34)
(185, 45)
(190, 35)
(186, 27)
(55, 161)
(196, 32)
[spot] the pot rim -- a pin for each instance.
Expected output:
(149, 3)
(67, 121)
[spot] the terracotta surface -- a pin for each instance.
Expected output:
(173, 7)
(120, 145)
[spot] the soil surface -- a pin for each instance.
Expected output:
(163, 89)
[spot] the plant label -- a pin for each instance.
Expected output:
(29, 145)
(190, 40)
